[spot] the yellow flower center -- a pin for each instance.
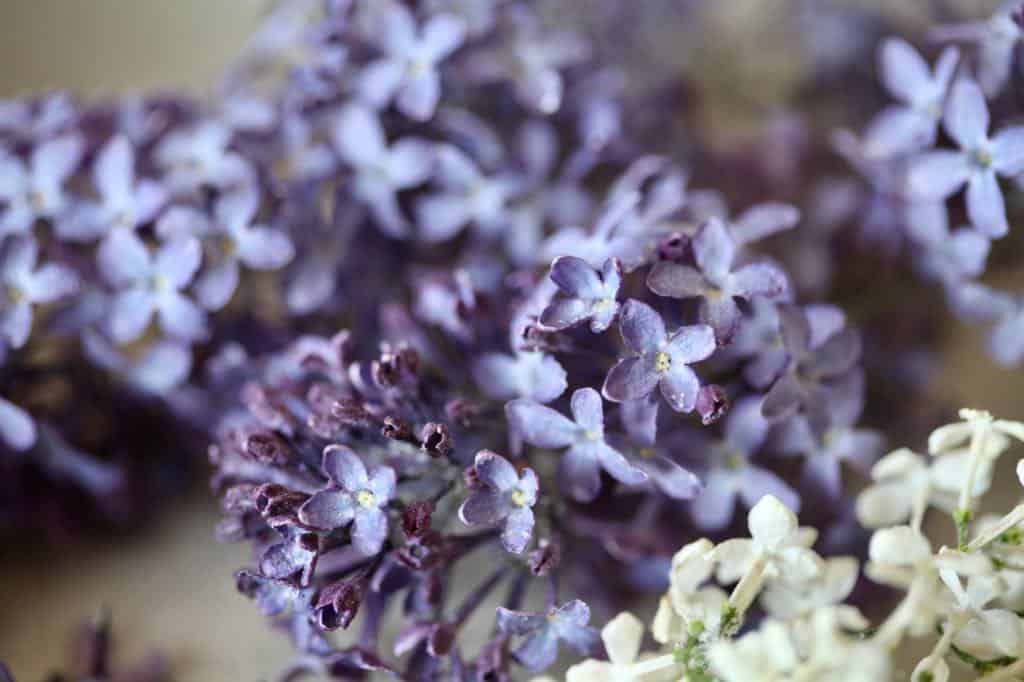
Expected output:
(160, 282)
(518, 498)
(602, 304)
(662, 362)
(735, 461)
(14, 294)
(645, 453)
(366, 499)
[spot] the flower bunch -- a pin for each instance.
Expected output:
(965, 597)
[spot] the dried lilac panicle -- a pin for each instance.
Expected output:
(506, 497)
(589, 294)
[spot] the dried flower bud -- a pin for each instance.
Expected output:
(267, 448)
(712, 403)
(396, 429)
(339, 603)
(545, 558)
(673, 246)
(435, 439)
(416, 518)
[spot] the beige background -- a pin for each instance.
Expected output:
(171, 587)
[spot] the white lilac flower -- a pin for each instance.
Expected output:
(981, 630)
(913, 123)
(149, 283)
(583, 435)
(977, 164)
(231, 240)
(589, 294)
(23, 284)
(996, 39)
(17, 428)
(35, 190)
(380, 170)
(407, 71)
(836, 581)
(622, 637)
(506, 496)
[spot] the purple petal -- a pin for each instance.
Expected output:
(410, 162)
(641, 327)
(839, 354)
(745, 428)
(618, 466)
(587, 411)
(114, 171)
(382, 484)
(1006, 343)
(630, 379)
(575, 277)
(676, 281)
(518, 529)
(495, 471)
(123, 258)
(581, 473)
(441, 216)
(679, 386)
(713, 508)
(55, 159)
(17, 428)
(328, 509)
(966, 115)
(180, 317)
(442, 35)
(130, 313)
(759, 482)
(50, 283)
(563, 313)
(985, 205)
(691, 344)
(764, 220)
(483, 508)
(672, 479)
(759, 279)
(264, 248)
(539, 425)
(795, 330)
(714, 250)
(418, 96)
(572, 614)
(517, 622)
(1008, 151)
(899, 130)
(639, 418)
(343, 466)
(369, 531)
(379, 80)
(722, 315)
(939, 174)
(539, 650)
(903, 71)
(783, 399)
(178, 260)
(217, 284)
(358, 137)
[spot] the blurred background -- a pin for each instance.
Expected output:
(169, 586)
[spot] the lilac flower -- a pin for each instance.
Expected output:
(199, 156)
(590, 294)
(658, 360)
(728, 472)
(23, 285)
(478, 16)
(231, 240)
(535, 376)
(655, 456)
(17, 428)
(813, 362)
(1006, 340)
(912, 124)
(159, 368)
(408, 71)
(36, 190)
(543, 632)
(761, 221)
(507, 497)
(996, 37)
(380, 171)
(608, 239)
(125, 202)
(149, 283)
(467, 196)
(356, 495)
(302, 155)
(939, 174)
(715, 281)
(949, 256)
(583, 435)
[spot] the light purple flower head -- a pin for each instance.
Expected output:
(658, 360)
(17, 428)
(654, 456)
(149, 283)
(977, 164)
(507, 497)
(544, 631)
(525, 374)
(231, 240)
(583, 435)
(355, 495)
(407, 71)
(36, 190)
(716, 281)
(913, 123)
(23, 285)
(589, 294)
(380, 170)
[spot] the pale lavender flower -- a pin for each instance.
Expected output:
(655, 456)
(124, 201)
(716, 281)
(608, 239)
(39, 119)
(466, 196)
(159, 368)
(913, 123)
(525, 374)
(949, 256)
(24, 285)
(728, 471)
(17, 428)
(583, 435)
(302, 155)
(507, 497)
(356, 495)
(149, 283)
(478, 16)
(200, 156)
(380, 171)
(544, 631)
(231, 240)
(980, 302)
(659, 360)
(996, 38)
(941, 173)
(761, 221)
(589, 294)
(408, 71)
(34, 190)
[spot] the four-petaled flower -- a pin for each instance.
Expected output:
(357, 495)
(589, 294)
(36, 189)
(715, 281)
(659, 360)
(543, 632)
(22, 284)
(507, 496)
(583, 435)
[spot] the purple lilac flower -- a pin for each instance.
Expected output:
(34, 190)
(996, 38)
(303, 156)
(589, 294)
(948, 256)
(199, 156)
(979, 302)
(159, 368)
(124, 202)
(761, 221)
(408, 70)
(655, 456)
(24, 285)
(466, 197)
(17, 428)
(913, 123)
(583, 435)
(478, 16)
(939, 174)
(507, 496)
(606, 240)
(542, 633)
(355, 495)
(814, 361)
(658, 360)
(380, 171)
(715, 281)
(526, 374)
(728, 471)
(149, 283)
(231, 240)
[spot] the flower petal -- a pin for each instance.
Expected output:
(676, 281)
(588, 411)
(630, 379)
(539, 425)
(985, 205)
(328, 509)
(344, 467)
(966, 116)
(641, 327)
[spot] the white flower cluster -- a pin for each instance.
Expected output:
(967, 598)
